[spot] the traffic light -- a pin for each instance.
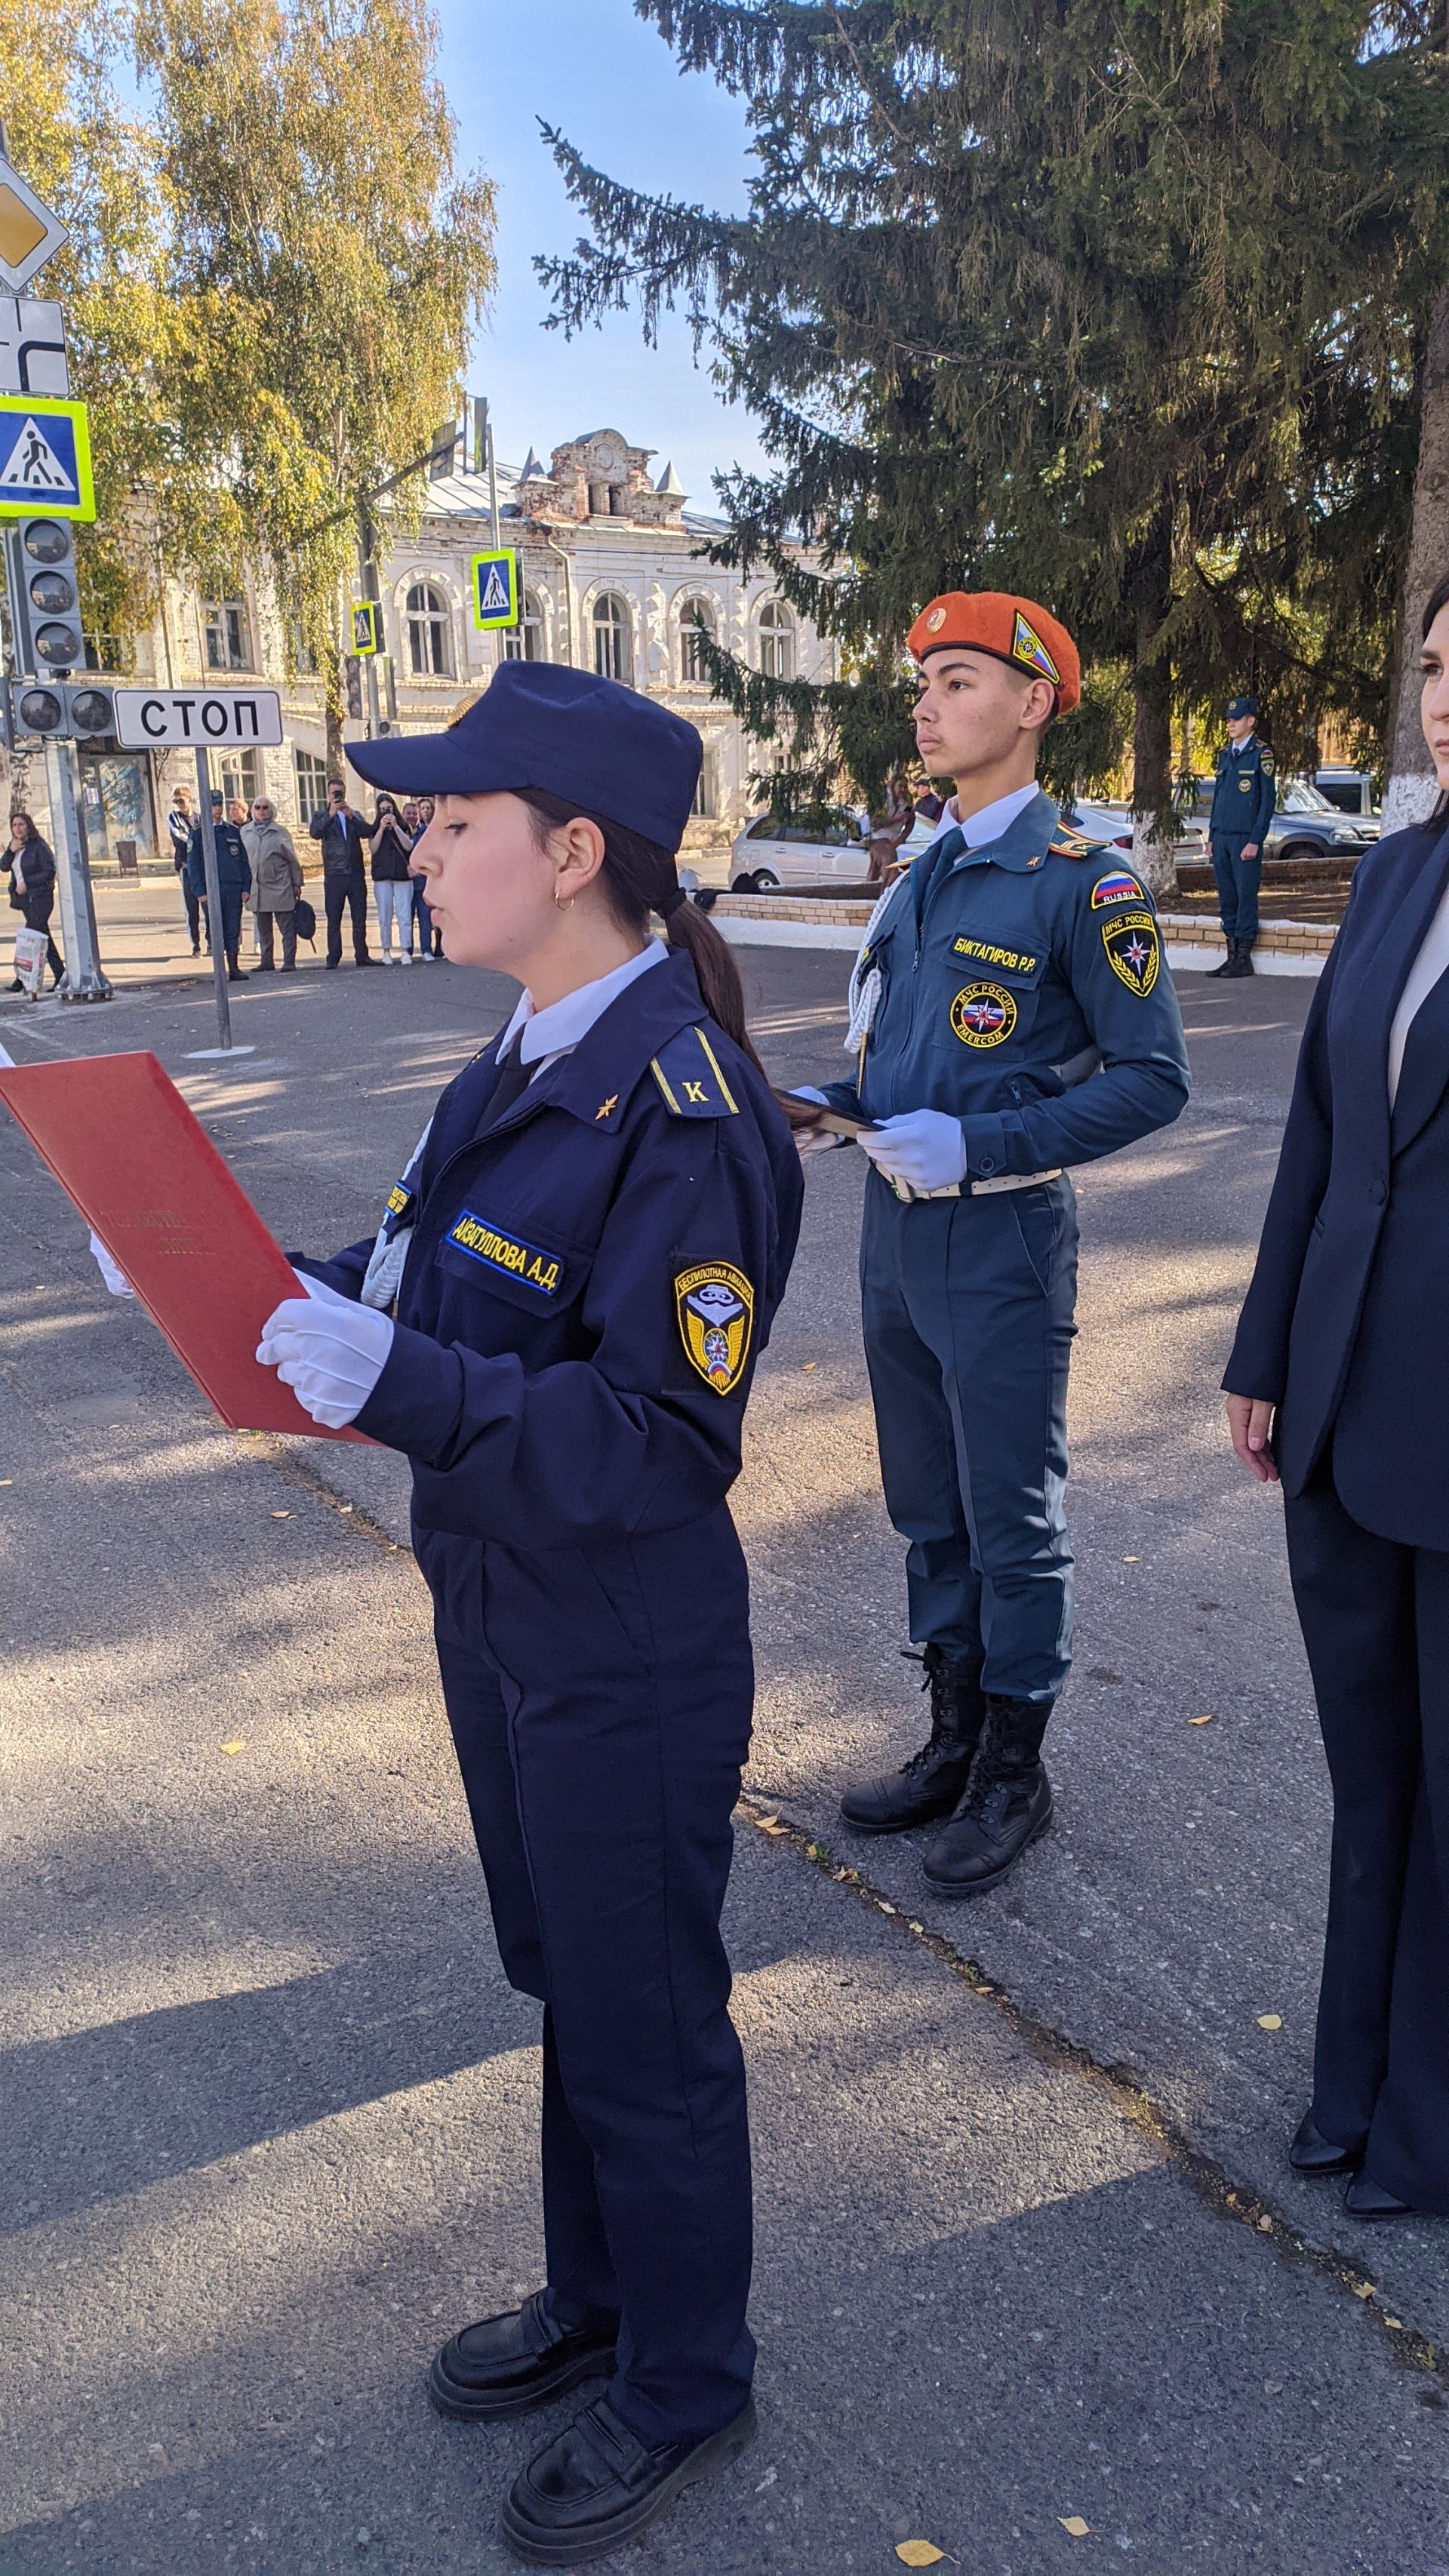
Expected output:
(352, 683)
(62, 711)
(45, 596)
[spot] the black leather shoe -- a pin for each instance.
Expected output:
(932, 1782)
(1226, 967)
(1366, 2198)
(597, 2486)
(1313, 2154)
(1007, 1804)
(507, 2364)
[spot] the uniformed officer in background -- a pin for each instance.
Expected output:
(584, 1257)
(1245, 793)
(1014, 1017)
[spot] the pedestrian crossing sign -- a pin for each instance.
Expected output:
(45, 458)
(495, 588)
(366, 626)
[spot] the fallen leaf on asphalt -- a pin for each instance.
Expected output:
(1129, 1560)
(809, 1365)
(1266, 2224)
(281, 1516)
(237, 1745)
(344, 1507)
(1396, 2322)
(919, 2553)
(1201, 1721)
(1362, 2289)
(1073, 2523)
(1270, 2021)
(771, 1825)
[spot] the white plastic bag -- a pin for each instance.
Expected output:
(30, 961)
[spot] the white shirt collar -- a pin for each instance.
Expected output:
(557, 1030)
(989, 824)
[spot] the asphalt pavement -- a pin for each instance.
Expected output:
(1034, 2282)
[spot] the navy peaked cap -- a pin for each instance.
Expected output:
(540, 724)
(1241, 707)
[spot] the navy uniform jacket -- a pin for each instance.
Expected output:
(1245, 792)
(589, 1283)
(233, 867)
(1029, 966)
(1343, 1325)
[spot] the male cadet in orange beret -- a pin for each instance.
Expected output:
(1013, 1017)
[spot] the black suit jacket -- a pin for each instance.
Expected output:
(1345, 1327)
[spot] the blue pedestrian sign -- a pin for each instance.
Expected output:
(45, 458)
(495, 588)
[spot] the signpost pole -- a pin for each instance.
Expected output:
(213, 898)
(83, 980)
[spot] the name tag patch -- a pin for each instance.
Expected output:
(399, 1199)
(1133, 951)
(492, 1249)
(1117, 888)
(1009, 960)
(715, 1304)
(983, 1015)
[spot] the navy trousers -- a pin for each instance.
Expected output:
(345, 894)
(1375, 1620)
(600, 1706)
(968, 1311)
(1237, 882)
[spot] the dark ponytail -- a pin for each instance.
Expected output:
(638, 877)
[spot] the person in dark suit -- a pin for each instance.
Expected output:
(339, 828)
(1339, 1384)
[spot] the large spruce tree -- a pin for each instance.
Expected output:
(1111, 304)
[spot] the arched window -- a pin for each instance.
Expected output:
(696, 618)
(777, 641)
(430, 650)
(524, 642)
(613, 643)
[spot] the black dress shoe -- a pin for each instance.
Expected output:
(597, 2486)
(1366, 2198)
(931, 1783)
(1006, 1807)
(507, 2364)
(1313, 2154)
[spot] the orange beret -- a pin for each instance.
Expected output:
(1014, 630)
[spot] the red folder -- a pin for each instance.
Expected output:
(147, 1178)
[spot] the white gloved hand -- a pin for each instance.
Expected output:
(116, 1280)
(329, 1351)
(924, 1147)
(322, 1290)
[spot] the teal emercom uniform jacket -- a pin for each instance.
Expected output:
(1028, 967)
(1022, 990)
(1245, 792)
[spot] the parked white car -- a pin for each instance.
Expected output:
(769, 853)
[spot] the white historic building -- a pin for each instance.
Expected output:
(612, 581)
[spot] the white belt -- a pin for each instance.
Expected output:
(1012, 1181)
(908, 1195)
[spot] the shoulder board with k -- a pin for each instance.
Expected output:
(1070, 845)
(691, 1079)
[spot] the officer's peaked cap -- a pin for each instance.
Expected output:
(540, 724)
(1011, 630)
(1241, 707)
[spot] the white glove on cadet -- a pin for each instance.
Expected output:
(924, 1148)
(328, 1350)
(116, 1280)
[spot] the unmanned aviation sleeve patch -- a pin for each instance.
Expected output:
(715, 1304)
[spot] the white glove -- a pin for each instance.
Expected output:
(116, 1280)
(321, 1290)
(329, 1351)
(925, 1148)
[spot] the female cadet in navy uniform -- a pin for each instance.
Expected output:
(1342, 1338)
(595, 1234)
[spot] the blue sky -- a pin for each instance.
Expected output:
(612, 86)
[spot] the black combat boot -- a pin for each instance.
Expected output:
(932, 1781)
(1008, 1802)
(1241, 962)
(1227, 965)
